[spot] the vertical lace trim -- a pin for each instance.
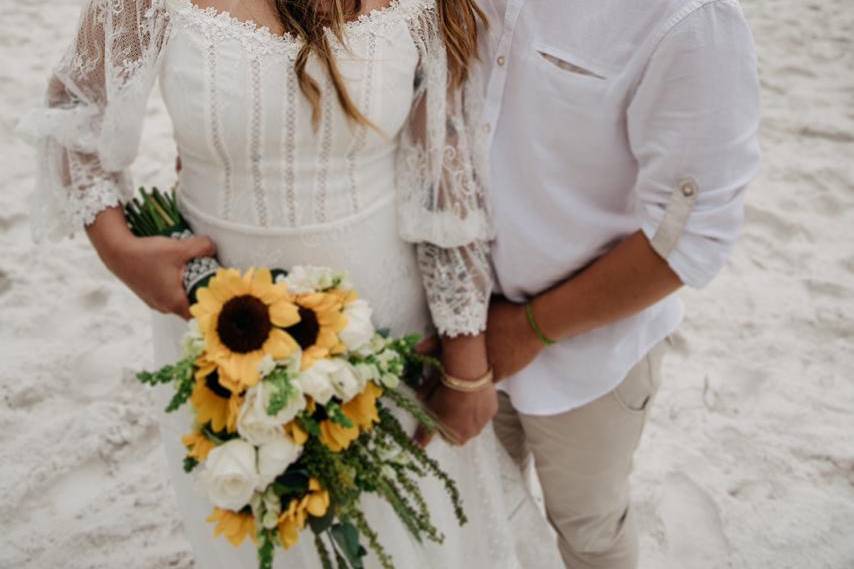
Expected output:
(361, 135)
(255, 142)
(289, 147)
(325, 151)
(216, 131)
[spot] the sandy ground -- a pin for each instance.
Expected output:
(748, 461)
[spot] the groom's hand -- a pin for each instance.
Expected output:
(510, 341)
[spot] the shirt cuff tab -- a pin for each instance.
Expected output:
(675, 217)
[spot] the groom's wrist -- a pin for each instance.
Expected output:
(534, 323)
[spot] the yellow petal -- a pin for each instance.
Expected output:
(279, 345)
(296, 433)
(318, 503)
(284, 313)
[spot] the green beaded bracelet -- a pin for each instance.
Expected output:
(529, 310)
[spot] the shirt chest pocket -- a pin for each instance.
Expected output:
(568, 81)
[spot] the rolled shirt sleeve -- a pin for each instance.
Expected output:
(693, 125)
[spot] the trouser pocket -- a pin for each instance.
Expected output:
(637, 391)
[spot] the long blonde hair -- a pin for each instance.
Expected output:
(308, 20)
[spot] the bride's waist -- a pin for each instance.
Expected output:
(202, 213)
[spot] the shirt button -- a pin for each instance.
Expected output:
(487, 127)
(501, 60)
(688, 188)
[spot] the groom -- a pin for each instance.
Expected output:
(622, 135)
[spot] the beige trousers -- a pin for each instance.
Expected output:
(583, 459)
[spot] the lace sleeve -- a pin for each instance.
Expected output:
(443, 205)
(88, 132)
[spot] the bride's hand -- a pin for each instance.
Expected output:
(462, 414)
(151, 267)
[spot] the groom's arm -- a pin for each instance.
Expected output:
(628, 279)
(692, 126)
(623, 282)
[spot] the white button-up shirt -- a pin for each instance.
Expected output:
(605, 118)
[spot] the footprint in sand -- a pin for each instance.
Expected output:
(5, 282)
(692, 525)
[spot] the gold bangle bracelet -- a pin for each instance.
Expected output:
(467, 386)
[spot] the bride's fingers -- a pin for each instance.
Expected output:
(428, 386)
(429, 346)
(422, 436)
(198, 246)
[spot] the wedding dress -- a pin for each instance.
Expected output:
(397, 203)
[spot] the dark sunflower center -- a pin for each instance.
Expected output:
(212, 383)
(244, 324)
(306, 330)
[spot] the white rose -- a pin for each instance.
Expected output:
(256, 425)
(347, 382)
(274, 457)
(266, 365)
(316, 381)
(359, 330)
(367, 372)
(304, 279)
(230, 476)
(386, 358)
(192, 343)
(390, 380)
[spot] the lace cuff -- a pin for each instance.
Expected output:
(458, 282)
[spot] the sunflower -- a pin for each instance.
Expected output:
(335, 436)
(241, 318)
(362, 412)
(292, 519)
(235, 526)
(362, 409)
(321, 318)
(212, 401)
(297, 434)
(198, 446)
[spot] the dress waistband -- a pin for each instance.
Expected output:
(191, 211)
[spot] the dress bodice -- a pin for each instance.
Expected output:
(253, 162)
(249, 151)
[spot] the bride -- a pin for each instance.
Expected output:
(328, 133)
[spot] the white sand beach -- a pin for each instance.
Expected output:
(747, 462)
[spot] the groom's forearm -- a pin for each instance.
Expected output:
(624, 281)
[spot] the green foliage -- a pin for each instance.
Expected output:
(190, 463)
(336, 414)
(322, 552)
(180, 374)
(323, 523)
(279, 380)
(154, 213)
(218, 437)
(389, 424)
(293, 482)
(308, 424)
(413, 407)
(265, 549)
(365, 529)
(346, 537)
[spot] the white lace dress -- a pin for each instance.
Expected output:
(400, 207)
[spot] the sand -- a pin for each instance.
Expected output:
(748, 459)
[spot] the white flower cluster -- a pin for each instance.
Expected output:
(235, 470)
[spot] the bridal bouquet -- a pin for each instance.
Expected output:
(291, 389)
